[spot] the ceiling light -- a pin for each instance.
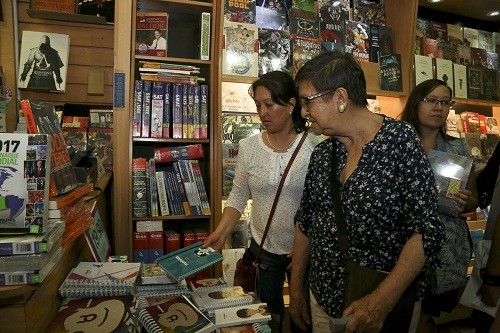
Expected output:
(494, 13)
(434, 1)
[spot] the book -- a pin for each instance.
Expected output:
(429, 47)
(492, 126)
(248, 328)
(242, 314)
(460, 80)
(76, 138)
(368, 12)
(102, 141)
(140, 246)
(137, 108)
(303, 23)
(152, 191)
(44, 57)
(177, 314)
(24, 182)
(241, 11)
(474, 82)
(451, 172)
(464, 55)
(146, 109)
(97, 237)
(455, 33)
(447, 51)
(471, 37)
(97, 314)
(271, 17)
(439, 31)
(155, 245)
(452, 125)
(162, 193)
(478, 57)
(204, 94)
(162, 290)
(205, 36)
(151, 34)
(240, 49)
(208, 300)
(307, 5)
(151, 273)
(31, 244)
(42, 119)
(444, 71)
(492, 60)
(65, 199)
(274, 51)
(157, 109)
(75, 121)
(175, 153)
(198, 178)
(423, 28)
(100, 279)
(179, 190)
(235, 98)
(303, 49)
(357, 40)
(101, 118)
(139, 187)
(485, 40)
(490, 84)
(423, 68)
(331, 21)
(192, 194)
(390, 72)
(490, 142)
(188, 260)
(207, 284)
(177, 91)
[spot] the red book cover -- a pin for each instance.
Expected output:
(151, 34)
(482, 124)
(188, 237)
(42, 118)
(429, 47)
(140, 246)
(65, 199)
(155, 245)
(169, 154)
(172, 241)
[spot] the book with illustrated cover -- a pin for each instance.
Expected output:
(24, 182)
(303, 49)
(240, 51)
(331, 20)
(274, 51)
(368, 12)
(76, 138)
(455, 33)
(137, 108)
(41, 118)
(492, 126)
(236, 126)
(248, 328)
(492, 60)
(195, 169)
(102, 140)
(423, 28)
(230, 258)
(429, 47)
(101, 118)
(464, 55)
(452, 124)
(478, 57)
(490, 142)
(423, 68)
(439, 31)
(444, 71)
(242, 314)
(271, 17)
(490, 84)
(471, 37)
(304, 23)
(474, 82)
(229, 159)
(306, 5)
(97, 314)
(151, 34)
(241, 11)
(176, 315)
(207, 284)
(97, 237)
(205, 36)
(485, 40)
(447, 51)
(151, 273)
(235, 98)
(188, 260)
(43, 63)
(157, 109)
(100, 279)
(208, 300)
(357, 40)
(451, 172)
(390, 72)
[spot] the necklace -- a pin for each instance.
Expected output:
(280, 149)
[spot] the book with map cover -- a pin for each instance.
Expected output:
(24, 182)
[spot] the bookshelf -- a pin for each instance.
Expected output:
(182, 41)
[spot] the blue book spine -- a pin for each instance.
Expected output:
(137, 117)
(177, 110)
(167, 110)
(146, 109)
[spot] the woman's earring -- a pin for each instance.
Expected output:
(341, 108)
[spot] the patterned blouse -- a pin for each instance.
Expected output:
(390, 195)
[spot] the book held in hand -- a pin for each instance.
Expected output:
(188, 260)
(177, 314)
(451, 172)
(216, 299)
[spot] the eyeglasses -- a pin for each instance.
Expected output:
(305, 101)
(445, 103)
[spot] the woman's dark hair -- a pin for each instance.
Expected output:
(410, 111)
(282, 89)
(332, 70)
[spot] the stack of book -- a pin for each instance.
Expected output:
(154, 281)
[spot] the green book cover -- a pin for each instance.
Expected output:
(188, 260)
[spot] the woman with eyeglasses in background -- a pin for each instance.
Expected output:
(427, 109)
(388, 197)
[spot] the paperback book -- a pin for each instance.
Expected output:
(188, 260)
(242, 314)
(31, 244)
(357, 40)
(97, 237)
(208, 284)
(235, 98)
(331, 21)
(451, 172)
(24, 182)
(242, 11)
(240, 51)
(176, 314)
(151, 273)
(274, 51)
(208, 300)
(390, 72)
(303, 49)
(151, 34)
(271, 16)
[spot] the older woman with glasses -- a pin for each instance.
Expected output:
(427, 108)
(388, 199)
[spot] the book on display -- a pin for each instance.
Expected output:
(207, 300)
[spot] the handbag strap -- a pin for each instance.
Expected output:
(277, 196)
(337, 206)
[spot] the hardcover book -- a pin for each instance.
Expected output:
(390, 72)
(170, 154)
(216, 299)
(151, 34)
(485, 40)
(474, 82)
(41, 118)
(177, 314)
(156, 248)
(235, 98)
(451, 172)
(75, 194)
(139, 187)
(444, 71)
(490, 84)
(304, 23)
(464, 55)
(102, 140)
(423, 68)
(188, 260)
(274, 51)
(357, 40)
(423, 28)
(492, 126)
(24, 182)
(492, 60)
(429, 47)
(271, 17)
(240, 49)
(447, 51)
(478, 57)
(97, 314)
(460, 79)
(140, 246)
(439, 31)
(205, 36)
(331, 21)
(43, 61)
(242, 314)
(303, 49)
(241, 11)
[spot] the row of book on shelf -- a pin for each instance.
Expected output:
(170, 110)
(175, 189)
(149, 295)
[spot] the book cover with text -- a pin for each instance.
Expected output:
(151, 34)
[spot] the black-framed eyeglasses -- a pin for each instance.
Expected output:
(305, 101)
(445, 103)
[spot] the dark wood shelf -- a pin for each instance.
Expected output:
(51, 15)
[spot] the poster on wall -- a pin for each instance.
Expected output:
(43, 63)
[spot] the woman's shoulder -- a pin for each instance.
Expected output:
(313, 140)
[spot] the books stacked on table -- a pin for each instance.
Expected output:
(153, 281)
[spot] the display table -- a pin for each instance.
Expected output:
(30, 308)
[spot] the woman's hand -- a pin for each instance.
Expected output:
(461, 198)
(215, 241)
(489, 294)
(298, 310)
(367, 314)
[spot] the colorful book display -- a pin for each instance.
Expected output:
(188, 260)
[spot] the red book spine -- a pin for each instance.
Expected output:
(188, 237)
(172, 241)
(140, 246)
(155, 245)
(169, 154)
